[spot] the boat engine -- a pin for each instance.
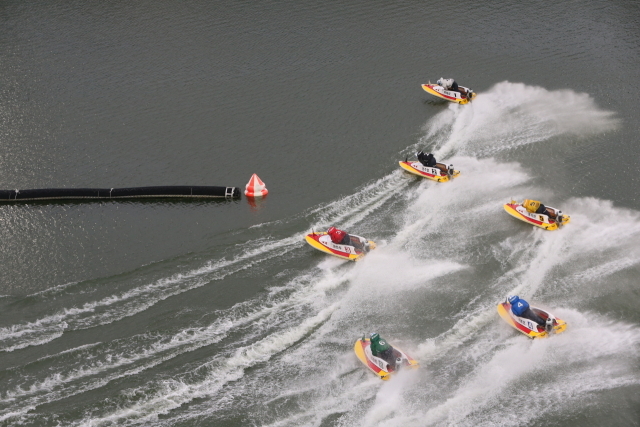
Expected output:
(548, 327)
(398, 363)
(450, 171)
(559, 218)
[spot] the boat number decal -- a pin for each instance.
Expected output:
(525, 322)
(347, 249)
(426, 169)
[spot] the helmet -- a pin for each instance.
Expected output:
(331, 230)
(439, 81)
(374, 336)
(512, 298)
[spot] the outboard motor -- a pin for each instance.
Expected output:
(469, 92)
(559, 218)
(548, 327)
(450, 171)
(398, 363)
(366, 247)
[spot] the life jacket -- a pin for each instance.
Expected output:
(519, 306)
(430, 160)
(446, 83)
(378, 345)
(336, 235)
(427, 159)
(531, 205)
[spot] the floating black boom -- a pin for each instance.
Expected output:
(119, 193)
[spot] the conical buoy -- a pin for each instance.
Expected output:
(255, 187)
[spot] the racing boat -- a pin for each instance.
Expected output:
(359, 247)
(440, 173)
(530, 328)
(553, 222)
(463, 96)
(382, 368)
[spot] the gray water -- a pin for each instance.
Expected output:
(217, 313)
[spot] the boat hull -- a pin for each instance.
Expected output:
(528, 327)
(449, 95)
(377, 365)
(434, 174)
(518, 211)
(322, 242)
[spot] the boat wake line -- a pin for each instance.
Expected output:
(432, 288)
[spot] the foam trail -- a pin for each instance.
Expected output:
(128, 352)
(276, 308)
(62, 384)
(175, 393)
(335, 329)
(133, 301)
(560, 356)
(352, 209)
(531, 259)
(510, 115)
(389, 399)
(433, 209)
(355, 207)
(53, 290)
(528, 259)
(247, 356)
(56, 386)
(441, 222)
(544, 253)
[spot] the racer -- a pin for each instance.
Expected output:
(535, 206)
(521, 308)
(451, 84)
(339, 237)
(430, 161)
(448, 84)
(426, 159)
(381, 348)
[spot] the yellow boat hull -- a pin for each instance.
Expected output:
(341, 251)
(433, 174)
(448, 95)
(374, 364)
(538, 220)
(504, 309)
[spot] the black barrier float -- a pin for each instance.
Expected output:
(175, 191)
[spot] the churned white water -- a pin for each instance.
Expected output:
(447, 254)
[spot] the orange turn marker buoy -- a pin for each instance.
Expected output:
(255, 187)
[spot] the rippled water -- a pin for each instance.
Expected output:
(217, 313)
